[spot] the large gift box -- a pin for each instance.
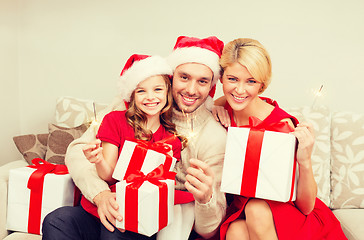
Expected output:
(145, 202)
(34, 192)
(145, 193)
(260, 163)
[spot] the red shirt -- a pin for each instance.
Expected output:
(115, 129)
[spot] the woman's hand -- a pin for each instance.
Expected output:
(93, 151)
(221, 115)
(306, 185)
(305, 135)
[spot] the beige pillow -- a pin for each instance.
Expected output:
(58, 140)
(347, 152)
(32, 146)
(320, 119)
(72, 112)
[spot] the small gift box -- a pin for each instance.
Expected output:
(260, 162)
(143, 156)
(35, 191)
(146, 201)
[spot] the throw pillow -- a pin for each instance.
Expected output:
(347, 141)
(320, 119)
(32, 145)
(58, 140)
(72, 112)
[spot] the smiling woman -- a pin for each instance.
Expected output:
(246, 73)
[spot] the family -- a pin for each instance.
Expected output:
(166, 98)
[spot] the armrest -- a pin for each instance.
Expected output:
(4, 177)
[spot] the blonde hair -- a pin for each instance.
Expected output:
(137, 119)
(251, 54)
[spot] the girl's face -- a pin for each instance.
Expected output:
(239, 86)
(151, 95)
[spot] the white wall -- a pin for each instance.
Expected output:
(9, 81)
(78, 47)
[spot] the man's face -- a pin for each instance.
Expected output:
(191, 86)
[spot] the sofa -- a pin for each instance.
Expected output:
(338, 157)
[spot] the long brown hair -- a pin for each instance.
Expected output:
(137, 119)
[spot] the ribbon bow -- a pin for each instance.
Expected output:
(159, 146)
(257, 124)
(141, 149)
(137, 178)
(42, 168)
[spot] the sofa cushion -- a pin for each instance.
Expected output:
(351, 222)
(72, 112)
(32, 146)
(23, 236)
(58, 140)
(320, 119)
(347, 150)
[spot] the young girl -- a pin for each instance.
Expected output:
(145, 88)
(247, 71)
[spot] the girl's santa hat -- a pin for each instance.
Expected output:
(206, 51)
(137, 69)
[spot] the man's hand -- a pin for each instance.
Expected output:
(199, 180)
(107, 208)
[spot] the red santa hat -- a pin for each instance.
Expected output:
(137, 69)
(206, 51)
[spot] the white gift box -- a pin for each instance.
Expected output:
(58, 191)
(147, 206)
(152, 160)
(277, 169)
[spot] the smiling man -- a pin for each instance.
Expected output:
(196, 70)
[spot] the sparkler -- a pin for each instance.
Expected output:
(317, 94)
(189, 119)
(94, 122)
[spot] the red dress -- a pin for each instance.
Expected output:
(114, 129)
(289, 222)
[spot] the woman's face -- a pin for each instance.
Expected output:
(151, 95)
(239, 86)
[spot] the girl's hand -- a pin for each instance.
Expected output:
(306, 139)
(221, 115)
(93, 151)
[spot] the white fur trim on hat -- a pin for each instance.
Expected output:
(139, 71)
(196, 55)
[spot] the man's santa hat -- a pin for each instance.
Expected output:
(206, 51)
(137, 69)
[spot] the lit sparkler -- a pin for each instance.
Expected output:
(317, 94)
(94, 122)
(189, 119)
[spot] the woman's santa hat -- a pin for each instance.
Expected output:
(206, 51)
(137, 69)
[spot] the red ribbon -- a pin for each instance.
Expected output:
(141, 149)
(35, 184)
(131, 196)
(253, 151)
